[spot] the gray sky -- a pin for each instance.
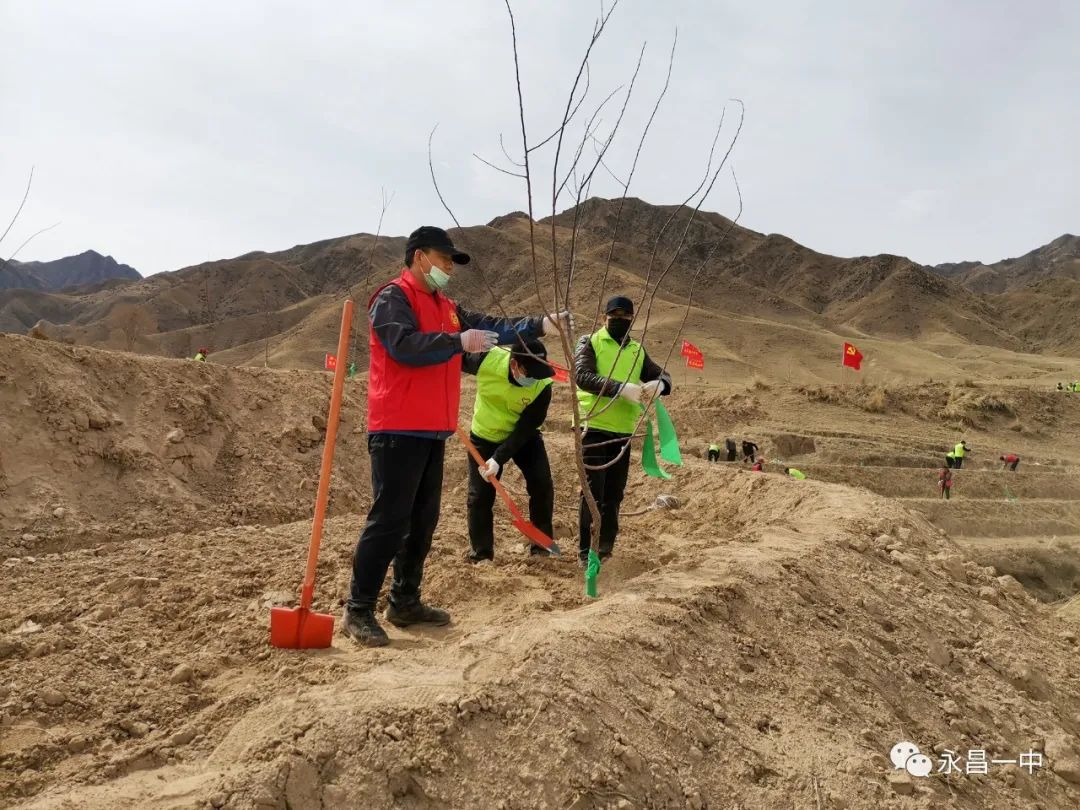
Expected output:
(169, 133)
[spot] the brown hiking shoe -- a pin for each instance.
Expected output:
(363, 628)
(416, 613)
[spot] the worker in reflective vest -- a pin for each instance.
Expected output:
(614, 376)
(959, 452)
(513, 392)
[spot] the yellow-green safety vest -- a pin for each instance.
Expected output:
(958, 451)
(500, 402)
(622, 414)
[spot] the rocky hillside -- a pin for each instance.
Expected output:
(1058, 259)
(85, 269)
(280, 309)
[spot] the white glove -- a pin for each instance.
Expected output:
(490, 469)
(652, 389)
(478, 340)
(564, 318)
(632, 391)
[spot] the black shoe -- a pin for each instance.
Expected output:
(363, 628)
(416, 613)
(475, 557)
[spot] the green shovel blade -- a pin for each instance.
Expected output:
(592, 571)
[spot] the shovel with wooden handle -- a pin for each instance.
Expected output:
(520, 523)
(300, 628)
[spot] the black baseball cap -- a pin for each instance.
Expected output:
(538, 369)
(428, 236)
(619, 302)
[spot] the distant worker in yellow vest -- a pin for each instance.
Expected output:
(959, 452)
(513, 392)
(714, 452)
(200, 355)
(614, 377)
(799, 474)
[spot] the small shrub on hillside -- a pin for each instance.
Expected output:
(876, 401)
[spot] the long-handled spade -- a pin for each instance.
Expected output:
(520, 523)
(299, 628)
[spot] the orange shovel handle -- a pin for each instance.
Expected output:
(479, 459)
(328, 455)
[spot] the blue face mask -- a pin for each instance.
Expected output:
(525, 382)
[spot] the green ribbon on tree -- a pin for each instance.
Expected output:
(592, 571)
(669, 444)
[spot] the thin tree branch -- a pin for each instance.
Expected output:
(551, 137)
(598, 29)
(592, 172)
(630, 177)
(30, 238)
(457, 224)
(497, 168)
(507, 154)
(26, 194)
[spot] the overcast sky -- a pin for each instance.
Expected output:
(170, 133)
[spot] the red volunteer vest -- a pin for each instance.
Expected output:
(414, 398)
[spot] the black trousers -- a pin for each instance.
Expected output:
(714, 455)
(531, 458)
(958, 462)
(950, 462)
(731, 454)
(406, 489)
(607, 487)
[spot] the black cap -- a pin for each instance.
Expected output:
(428, 236)
(538, 369)
(619, 302)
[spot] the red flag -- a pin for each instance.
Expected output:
(697, 361)
(330, 363)
(561, 374)
(690, 350)
(852, 356)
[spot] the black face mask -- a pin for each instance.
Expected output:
(619, 328)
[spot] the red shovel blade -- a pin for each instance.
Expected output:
(300, 629)
(537, 536)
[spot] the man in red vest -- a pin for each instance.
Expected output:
(416, 341)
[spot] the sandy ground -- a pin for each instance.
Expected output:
(764, 645)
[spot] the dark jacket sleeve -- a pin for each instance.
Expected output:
(394, 324)
(508, 329)
(650, 371)
(585, 374)
(528, 423)
(470, 361)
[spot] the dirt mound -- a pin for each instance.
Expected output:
(768, 639)
(964, 405)
(787, 445)
(102, 444)
(537, 697)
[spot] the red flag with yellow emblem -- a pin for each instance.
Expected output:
(852, 356)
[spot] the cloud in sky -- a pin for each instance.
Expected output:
(175, 132)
